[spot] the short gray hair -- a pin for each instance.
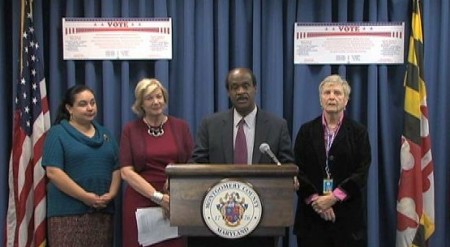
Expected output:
(336, 79)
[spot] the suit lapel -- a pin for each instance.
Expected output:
(340, 137)
(227, 137)
(260, 135)
(319, 143)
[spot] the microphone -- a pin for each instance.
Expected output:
(265, 149)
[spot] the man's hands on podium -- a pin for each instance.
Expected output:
(296, 183)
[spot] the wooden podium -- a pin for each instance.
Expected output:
(189, 183)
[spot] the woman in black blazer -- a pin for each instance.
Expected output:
(333, 155)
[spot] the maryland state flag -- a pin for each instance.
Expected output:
(415, 201)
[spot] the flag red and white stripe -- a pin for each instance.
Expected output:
(26, 216)
(415, 201)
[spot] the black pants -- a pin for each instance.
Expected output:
(326, 235)
(223, 242)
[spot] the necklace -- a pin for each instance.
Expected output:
(155, 131)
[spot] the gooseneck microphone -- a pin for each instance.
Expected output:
(265, 149)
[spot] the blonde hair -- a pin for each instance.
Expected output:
(336, 79)
(144, 87)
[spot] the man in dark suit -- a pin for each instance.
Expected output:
(216, 136)
(333, 155)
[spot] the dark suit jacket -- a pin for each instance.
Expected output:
(214, 142)
(349, 162)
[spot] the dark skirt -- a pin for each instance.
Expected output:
(94, 229)
(223, 242)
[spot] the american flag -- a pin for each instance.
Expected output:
(26, 222)
(415, 201)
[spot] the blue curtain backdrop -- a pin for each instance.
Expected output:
(210, 37)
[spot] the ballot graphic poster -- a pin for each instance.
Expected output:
(117, 38)
(349, 43)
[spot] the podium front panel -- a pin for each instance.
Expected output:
(276, 193)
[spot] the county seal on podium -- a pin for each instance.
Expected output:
(231, 209)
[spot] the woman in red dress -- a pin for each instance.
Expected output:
(148, 144)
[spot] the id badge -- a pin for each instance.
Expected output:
(327, 186)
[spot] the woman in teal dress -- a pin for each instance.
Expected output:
(81, 161)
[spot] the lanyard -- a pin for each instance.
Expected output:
(329, 141)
